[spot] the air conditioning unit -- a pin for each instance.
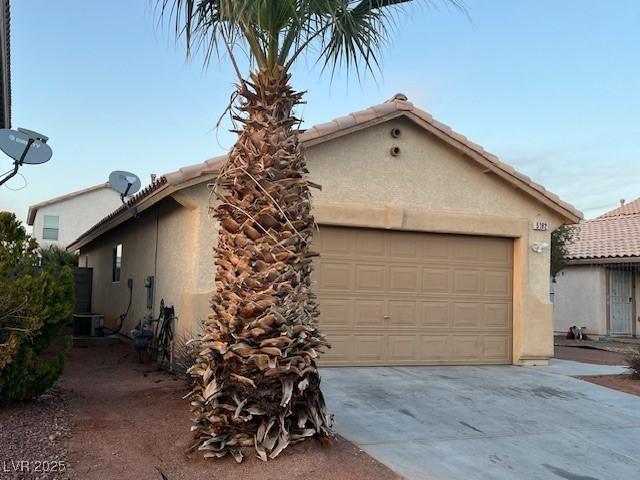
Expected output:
(87, 324)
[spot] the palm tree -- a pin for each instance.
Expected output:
(255, 377)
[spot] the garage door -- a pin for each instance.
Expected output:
(405, 298)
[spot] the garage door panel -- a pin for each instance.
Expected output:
(435, 248)
(497, 315)
(403, 348)
(339, 243)
(404, 279)
(405, 248)
(403, 314)
(497, 347)
(466, 348)
(337, 312)
(408, 298)
(370, 313)
(340, 351)
(467, 282)
(369, 349)
(370, 243)
(370, 277)
(497, 283)
(467, 315)
(436, 314)
(334, 276)
(435, 280)
(497, 252)
(435, 348)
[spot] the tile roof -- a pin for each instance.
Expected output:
(614, 235)
(624, 209)
(392, 108)
(395, 107)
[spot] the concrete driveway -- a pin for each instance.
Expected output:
(499, 422)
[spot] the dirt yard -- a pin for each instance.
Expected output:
(114, 418)
(624, 383)
(590, 355)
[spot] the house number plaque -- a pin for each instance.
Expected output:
(542, 226)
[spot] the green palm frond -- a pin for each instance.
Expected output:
(347, 33)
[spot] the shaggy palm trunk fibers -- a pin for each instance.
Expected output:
(256, 381)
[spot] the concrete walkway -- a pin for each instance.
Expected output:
(579, 369)
(466, 423)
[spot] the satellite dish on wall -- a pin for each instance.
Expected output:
(125, 183)
(24, 147)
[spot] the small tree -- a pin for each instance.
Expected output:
(34, 306)
(55, 258)
(561, 238)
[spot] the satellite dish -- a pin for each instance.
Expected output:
(25, 146)
(125, 183)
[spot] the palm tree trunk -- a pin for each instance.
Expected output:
(256, 382)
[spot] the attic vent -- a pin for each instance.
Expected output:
(400, 96)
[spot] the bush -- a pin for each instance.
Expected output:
(34, 306)
(55, 258)
(634, 364)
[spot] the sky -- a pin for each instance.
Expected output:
(553, 88)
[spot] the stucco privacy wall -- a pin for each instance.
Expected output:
(76, 215)
(430, 186)
(581, 299)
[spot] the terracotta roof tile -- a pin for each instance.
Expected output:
(625, 209)
(607, 237)
(389, 109)
(614, 234)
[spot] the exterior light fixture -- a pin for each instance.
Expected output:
(539, 247)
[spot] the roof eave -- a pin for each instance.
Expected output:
(569, 215)
(603, 260)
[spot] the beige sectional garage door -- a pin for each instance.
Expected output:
(405, 298)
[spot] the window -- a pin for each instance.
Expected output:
(51, 227)
(117, 263)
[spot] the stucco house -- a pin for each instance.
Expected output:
(600, 288)
(432, 249)
(60, 220)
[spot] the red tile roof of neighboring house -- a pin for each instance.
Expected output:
(614, 235)
(630, 208)
(397, 106)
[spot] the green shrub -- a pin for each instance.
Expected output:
(34, 306)
(55, 258)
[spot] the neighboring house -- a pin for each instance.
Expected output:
(61, 220)
(427, 245)
(600, 288)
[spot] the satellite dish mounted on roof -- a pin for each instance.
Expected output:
(25, 147)
(125, 183)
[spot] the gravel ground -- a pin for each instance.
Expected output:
(33, 436)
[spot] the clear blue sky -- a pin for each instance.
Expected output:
(552, 87)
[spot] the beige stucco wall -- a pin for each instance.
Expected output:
(170, 232)
(580, 299)
(75, 217)
(432, 187)
(428, 187)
